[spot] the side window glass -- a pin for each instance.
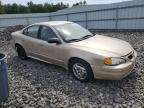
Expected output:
(47, 33)
(32, 31)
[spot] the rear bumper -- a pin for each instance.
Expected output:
(114, 72)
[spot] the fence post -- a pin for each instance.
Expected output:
(117, 14)
(67, 17)
(86, 20)
(27, 20)
(50, 18)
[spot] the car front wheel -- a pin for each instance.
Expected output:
(81, 70)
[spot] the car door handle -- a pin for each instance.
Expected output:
(22, 39)
(41, 45)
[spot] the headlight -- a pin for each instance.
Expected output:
(113, 61)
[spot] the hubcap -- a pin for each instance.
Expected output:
(79, 71)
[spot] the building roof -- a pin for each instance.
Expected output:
(95, 7)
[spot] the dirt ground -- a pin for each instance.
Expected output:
(35, 84)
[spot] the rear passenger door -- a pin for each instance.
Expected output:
(31, 41)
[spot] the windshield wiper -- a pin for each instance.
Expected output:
(74, 40)
(86, 37)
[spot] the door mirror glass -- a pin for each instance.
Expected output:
(54, 40)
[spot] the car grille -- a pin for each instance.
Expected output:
(130, 55)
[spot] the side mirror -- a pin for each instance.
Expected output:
(54, 40)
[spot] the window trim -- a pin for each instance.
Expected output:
(37, 37)
(41, 26)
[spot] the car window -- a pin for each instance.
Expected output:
(72, 31)
(32, 31)
(46, 33)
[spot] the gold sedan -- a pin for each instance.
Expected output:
(71, 46)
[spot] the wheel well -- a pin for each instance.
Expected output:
(75, 58)
(16, 45)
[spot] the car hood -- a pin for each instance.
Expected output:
(104, 43)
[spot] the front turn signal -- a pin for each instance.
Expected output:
(108, 61)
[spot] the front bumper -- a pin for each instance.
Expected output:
(114, 72)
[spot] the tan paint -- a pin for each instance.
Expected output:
(92, 50)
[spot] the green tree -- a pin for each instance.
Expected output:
(84, 2)
(80, 3)
(1, 8)
(23, 9)
(31, 8)
(14, 8)
(8, 9)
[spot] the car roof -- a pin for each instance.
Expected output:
(52, 23)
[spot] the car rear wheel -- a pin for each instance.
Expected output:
(21, 52)
(81, 70)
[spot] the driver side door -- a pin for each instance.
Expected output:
(50, 52)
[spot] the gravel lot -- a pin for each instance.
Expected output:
(38, 84)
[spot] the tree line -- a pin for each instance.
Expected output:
(35, 8)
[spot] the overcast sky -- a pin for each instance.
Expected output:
(64, 1)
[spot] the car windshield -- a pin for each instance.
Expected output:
(72, 32)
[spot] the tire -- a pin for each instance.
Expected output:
(21, 52)
(81, 70)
